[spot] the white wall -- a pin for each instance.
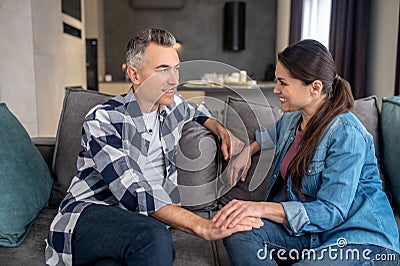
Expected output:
(383, 47)
(282, 25)
(17, 69)
(38, 61)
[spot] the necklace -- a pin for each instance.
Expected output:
(150, 121)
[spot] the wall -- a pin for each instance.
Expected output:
(199, 25)
(94, 29)
(17, 75)
(383, 47)
(282, 25)
(38, 61)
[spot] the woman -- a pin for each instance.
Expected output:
(325, 200)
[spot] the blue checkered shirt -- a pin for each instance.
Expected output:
(111, 162)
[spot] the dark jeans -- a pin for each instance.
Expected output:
(108, 235)
(272, 245)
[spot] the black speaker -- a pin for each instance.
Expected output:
(234, 25)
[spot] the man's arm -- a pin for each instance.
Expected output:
(189, 222)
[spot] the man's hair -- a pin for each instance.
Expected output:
(137, 46)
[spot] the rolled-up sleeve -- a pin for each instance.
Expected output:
(296, 215)
(198, 112)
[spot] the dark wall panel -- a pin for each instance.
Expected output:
(199, 26)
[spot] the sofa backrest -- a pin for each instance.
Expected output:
(77, 103)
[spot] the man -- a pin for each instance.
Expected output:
(125, 190)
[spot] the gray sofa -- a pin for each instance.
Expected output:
(60, 154)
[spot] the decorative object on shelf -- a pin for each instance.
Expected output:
(234, 25)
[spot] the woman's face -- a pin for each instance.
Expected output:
(293, 93)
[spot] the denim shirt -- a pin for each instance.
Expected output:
(343, 191)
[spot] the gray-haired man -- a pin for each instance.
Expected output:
(125, 190)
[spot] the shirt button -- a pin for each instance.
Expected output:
(309, 171)
(314, 239)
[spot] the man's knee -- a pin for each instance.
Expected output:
(161, 236)
(155, 240)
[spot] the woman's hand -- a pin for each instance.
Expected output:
(235, 212)
(209, 231)
(240, 165)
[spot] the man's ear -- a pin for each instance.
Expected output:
(316, 87)
(133, 74)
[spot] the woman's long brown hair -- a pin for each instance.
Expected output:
(309, 60)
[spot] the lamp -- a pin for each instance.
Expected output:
(178, 45)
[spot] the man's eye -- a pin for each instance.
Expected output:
(163, 69)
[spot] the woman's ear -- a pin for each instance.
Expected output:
(133, 74)
(316, 87)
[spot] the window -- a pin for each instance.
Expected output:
(316, 20)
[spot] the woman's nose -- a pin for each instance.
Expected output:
(276, 89)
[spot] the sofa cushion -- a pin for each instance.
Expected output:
(366, 110)
(193, 250)
(391, 142)
(25, 180)
(77, 103)
(196, 164)
(31, 251)
(243, 118)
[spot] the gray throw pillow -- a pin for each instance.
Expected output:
(77, 103)
(366, 110)
(243, 118)
(196, 164)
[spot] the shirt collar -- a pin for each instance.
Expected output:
(133, 109)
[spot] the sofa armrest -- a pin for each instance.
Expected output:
(45, 145)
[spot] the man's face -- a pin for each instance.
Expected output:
(158, 79)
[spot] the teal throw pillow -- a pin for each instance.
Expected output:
(25, 180)
(390, 121)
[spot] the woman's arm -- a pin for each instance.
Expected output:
(237, 210)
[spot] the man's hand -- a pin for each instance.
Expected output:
(189, 222)
(240, 165)
(235, 212)
(230, 145)
(209, 231)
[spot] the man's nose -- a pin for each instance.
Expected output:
(173, 77)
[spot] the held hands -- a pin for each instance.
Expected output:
(211, 232)
(235, 213)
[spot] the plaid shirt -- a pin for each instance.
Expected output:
(111, 163)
